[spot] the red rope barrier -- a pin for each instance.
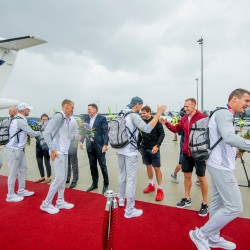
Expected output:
(110, 240)
(105, 227)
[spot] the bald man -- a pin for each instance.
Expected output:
(12, 111)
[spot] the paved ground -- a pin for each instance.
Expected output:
(173, 192)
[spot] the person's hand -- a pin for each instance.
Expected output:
(81, 146)
(155, 149)
(53, 155)
(163, 120)
(104, 148)
(239, 154)
(161, 108)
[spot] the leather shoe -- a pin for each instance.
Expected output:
(105, 188)
(92, 187)
(72, 185)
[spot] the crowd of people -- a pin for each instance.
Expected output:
(146, 135)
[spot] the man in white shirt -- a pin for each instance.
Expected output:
(226, 204)
(14, 150)
(57, 134)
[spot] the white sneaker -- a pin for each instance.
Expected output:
(121, 202)
(221, 243)
(64, 205)
(200, 242)
(25, 193)
(174, 178)
(135, 213)
(197, 182)
(49, 208)
(13, 198)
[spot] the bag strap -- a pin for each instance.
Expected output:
(220, 137)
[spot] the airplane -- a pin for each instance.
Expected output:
(8, 53)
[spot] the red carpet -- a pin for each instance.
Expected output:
(24, 226)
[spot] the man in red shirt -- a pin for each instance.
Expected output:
(188, 162)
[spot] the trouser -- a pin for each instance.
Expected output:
(60, 165)
(17, 169)
(226, 203)
(127, 178)
(40, 155)
(73, 160)
(93, 156)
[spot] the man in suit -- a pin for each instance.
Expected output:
(97, 147)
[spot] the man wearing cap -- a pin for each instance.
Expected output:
(14, 150)
(128, 155)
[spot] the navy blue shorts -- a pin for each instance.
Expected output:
(148, 158)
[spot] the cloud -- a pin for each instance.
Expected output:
(108, 51)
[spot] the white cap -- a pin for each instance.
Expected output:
(22, 106)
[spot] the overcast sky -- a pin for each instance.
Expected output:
(107, 51)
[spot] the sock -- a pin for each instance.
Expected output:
(151, 181)
(159, 186)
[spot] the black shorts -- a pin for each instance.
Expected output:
(188, 164)
(148, 158)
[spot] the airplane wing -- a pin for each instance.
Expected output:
(20, 43)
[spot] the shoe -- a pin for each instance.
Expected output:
(64, 205)
(149, 188)
(160, 195)
(221, 243)
(40, 180)
(121, 202)
(67, 182)
(92, 187)
(200, 242)
(105, 188)
(73, 184)
(204, 210)
(197, 182)
(49, 208)
(184, 203)
(134, 213)
(48, 180)
(25, 193)
(174, 178)
(13, 198)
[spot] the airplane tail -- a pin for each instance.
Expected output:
(8, 54)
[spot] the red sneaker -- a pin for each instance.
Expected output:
(160, 195)
(149, 188)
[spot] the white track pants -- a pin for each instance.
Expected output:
(17, 168)
(226, 203)
(127, 178)
(60, 165)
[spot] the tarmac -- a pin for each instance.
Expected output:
(169, 158)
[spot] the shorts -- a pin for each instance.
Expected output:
(188, 164)
(148, 158)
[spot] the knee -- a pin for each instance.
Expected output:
(187, 176)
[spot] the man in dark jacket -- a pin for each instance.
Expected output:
(150, 149)
(97, 147)
(188, 162)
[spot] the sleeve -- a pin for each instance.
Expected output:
(105, 130)
(174, 129)
(52, 127)
(161, 132)
(140, 124)
(23, 125)
(224, 121)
